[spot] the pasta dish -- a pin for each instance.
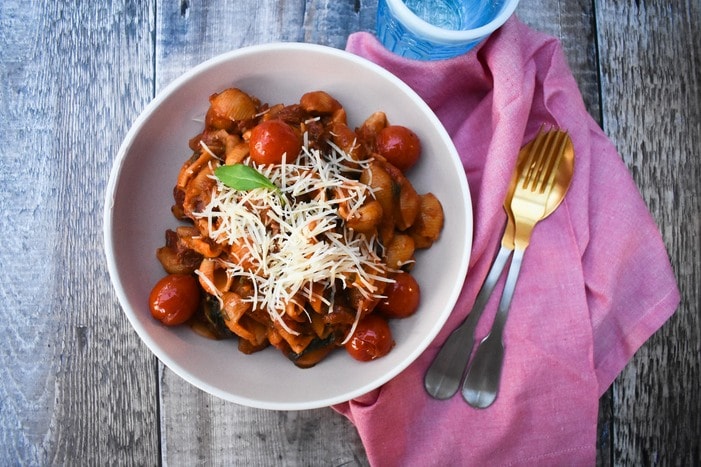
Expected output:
(298, 232)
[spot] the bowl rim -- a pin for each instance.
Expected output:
(108, 225)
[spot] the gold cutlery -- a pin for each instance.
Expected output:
(543, 181)
(443, 378)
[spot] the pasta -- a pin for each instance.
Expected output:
(295, 226)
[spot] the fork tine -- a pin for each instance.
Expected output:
(550, 160)
(533, 162)
(543, 159)
(532, 159)
(547, 153)
(557, 153)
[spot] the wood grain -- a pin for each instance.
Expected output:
(573, 23)
(77, 385)
(651, 98)
(201, 429)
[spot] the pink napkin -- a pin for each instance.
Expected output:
(596, 281)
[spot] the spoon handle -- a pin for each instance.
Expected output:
(481, 383)
(443, 377)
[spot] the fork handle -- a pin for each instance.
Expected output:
(481, 383)
(442, 379)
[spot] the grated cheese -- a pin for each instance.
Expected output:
(290, 244)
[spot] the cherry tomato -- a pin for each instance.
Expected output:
(402, 297)
(271, 140)
(372, 339)
(174, 299)
(399, 145)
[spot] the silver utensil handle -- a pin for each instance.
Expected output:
(483, 376)
(443, 377)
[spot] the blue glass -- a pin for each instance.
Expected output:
(456, 15)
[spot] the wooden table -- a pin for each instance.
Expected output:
(78, 387)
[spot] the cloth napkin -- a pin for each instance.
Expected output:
(596, 281)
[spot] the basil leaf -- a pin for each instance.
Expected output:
(243, 177)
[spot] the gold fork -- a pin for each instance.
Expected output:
(543, 175)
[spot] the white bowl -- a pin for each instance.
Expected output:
(139, 197)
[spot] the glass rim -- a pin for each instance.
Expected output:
(450, 36)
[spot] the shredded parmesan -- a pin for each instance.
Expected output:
(289, 240)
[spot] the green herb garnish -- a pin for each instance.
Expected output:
(243, 177)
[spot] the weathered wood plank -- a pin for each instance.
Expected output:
(198, 428)
(77, 386)
(651, 97)
(573, 23)
(192, 32)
